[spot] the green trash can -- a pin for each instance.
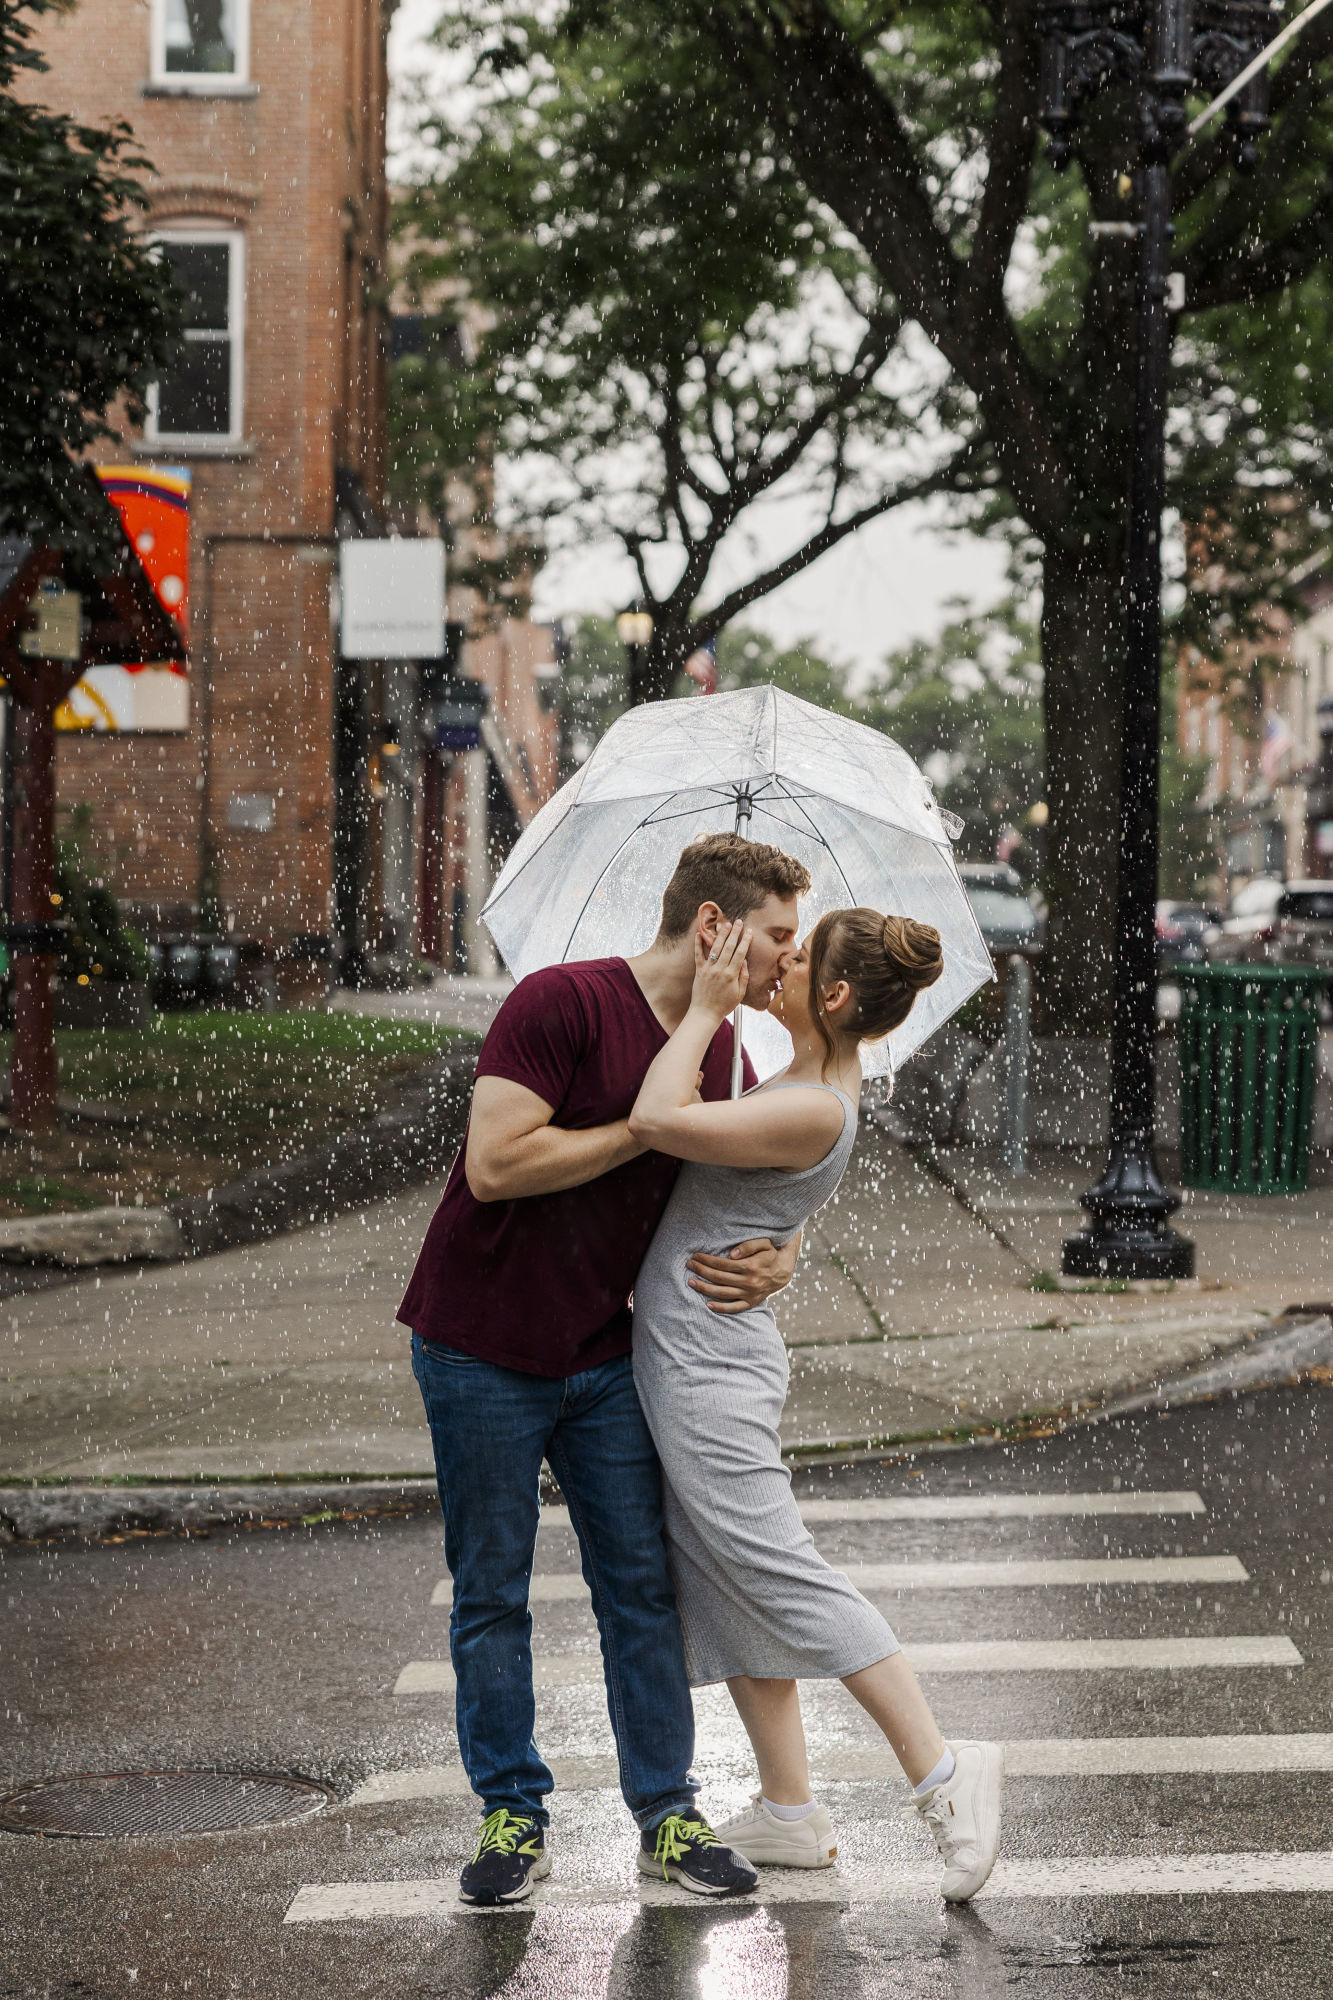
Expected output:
(1248, 1037)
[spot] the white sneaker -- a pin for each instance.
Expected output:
(781, 1843)
(964, 1816)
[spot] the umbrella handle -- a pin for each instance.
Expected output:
(744, 814)
(737, 1054)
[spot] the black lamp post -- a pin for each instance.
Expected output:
(634, 629)
(1165, 49)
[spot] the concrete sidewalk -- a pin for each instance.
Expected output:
(919, 1310)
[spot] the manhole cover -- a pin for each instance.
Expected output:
(122, 1802)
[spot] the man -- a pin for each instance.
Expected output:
(519, 1307)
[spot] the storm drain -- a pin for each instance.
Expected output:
(103, 1807)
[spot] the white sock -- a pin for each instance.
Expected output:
(790, 1812)
(941, 1774)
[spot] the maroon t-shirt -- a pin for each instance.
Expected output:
(542, 1284)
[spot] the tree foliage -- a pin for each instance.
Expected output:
(89, 314)
(914, 128)
(670, 330)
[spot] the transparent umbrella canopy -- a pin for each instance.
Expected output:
(586, 878)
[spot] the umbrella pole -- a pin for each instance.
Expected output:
(744, 808)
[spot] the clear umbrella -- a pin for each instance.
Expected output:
(586, 878)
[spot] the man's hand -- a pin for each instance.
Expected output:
(746, 1276)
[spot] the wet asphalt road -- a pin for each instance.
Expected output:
(279, 1651)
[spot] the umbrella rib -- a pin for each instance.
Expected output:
(817, 835)
(636, 828)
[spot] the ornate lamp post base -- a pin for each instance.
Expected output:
(1129, 1233)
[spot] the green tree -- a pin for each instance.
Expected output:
(915, 126)
(100, 945)
(671, 332)
(967, 706)
(88, 312)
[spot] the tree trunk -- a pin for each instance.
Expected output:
(1082, 653)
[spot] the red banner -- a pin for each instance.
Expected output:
(154, 503)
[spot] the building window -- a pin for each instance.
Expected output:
(201, 42)
(199, 399)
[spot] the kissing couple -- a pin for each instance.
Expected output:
(593, 1292)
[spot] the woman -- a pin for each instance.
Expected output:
(761, 1609)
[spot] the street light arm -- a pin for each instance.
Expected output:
(1298, 95)
(1252, 69)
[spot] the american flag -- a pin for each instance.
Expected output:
(702, 667)
(1276, 747)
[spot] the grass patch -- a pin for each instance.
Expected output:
(42, 1194)
(200, 1099)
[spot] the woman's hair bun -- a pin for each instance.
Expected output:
(886, 961)
(914, 951)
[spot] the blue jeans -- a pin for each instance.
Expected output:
(491, 1428)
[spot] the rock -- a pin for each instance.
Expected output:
(93, 1236)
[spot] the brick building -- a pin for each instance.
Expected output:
(264, 120)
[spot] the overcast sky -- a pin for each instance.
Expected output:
(881, 587)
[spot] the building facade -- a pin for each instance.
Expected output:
(264, 123)
(1264, 740)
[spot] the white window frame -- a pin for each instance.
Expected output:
(206, 441)
(209, 82)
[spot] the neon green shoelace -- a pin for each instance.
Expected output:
(676, 1835)
(501, 1832)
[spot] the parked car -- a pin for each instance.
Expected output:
(1184, 931)
(1253, 910)
(1303, 925)
(1010, 918)
(1297, 929)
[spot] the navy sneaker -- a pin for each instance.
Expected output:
(510, 1856)
(686, 1850)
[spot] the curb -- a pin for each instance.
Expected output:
(414, 1138)
(93, 1513)
(1272, 1359)
(1266, 1362)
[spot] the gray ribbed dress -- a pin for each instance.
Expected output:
(755, 1595)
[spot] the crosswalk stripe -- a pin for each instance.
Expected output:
(1102, 1571)
(965, 1656)
(974, 1507)
(1055, 1757)
(1090, 1876)
(1000, 1506)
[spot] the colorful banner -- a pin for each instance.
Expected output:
(154, 503)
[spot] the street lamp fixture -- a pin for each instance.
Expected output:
(1163, 49)
(634, 627)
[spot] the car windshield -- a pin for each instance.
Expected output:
(1001, 909)
(1307, 906)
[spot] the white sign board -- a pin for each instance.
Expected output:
(392, 598)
